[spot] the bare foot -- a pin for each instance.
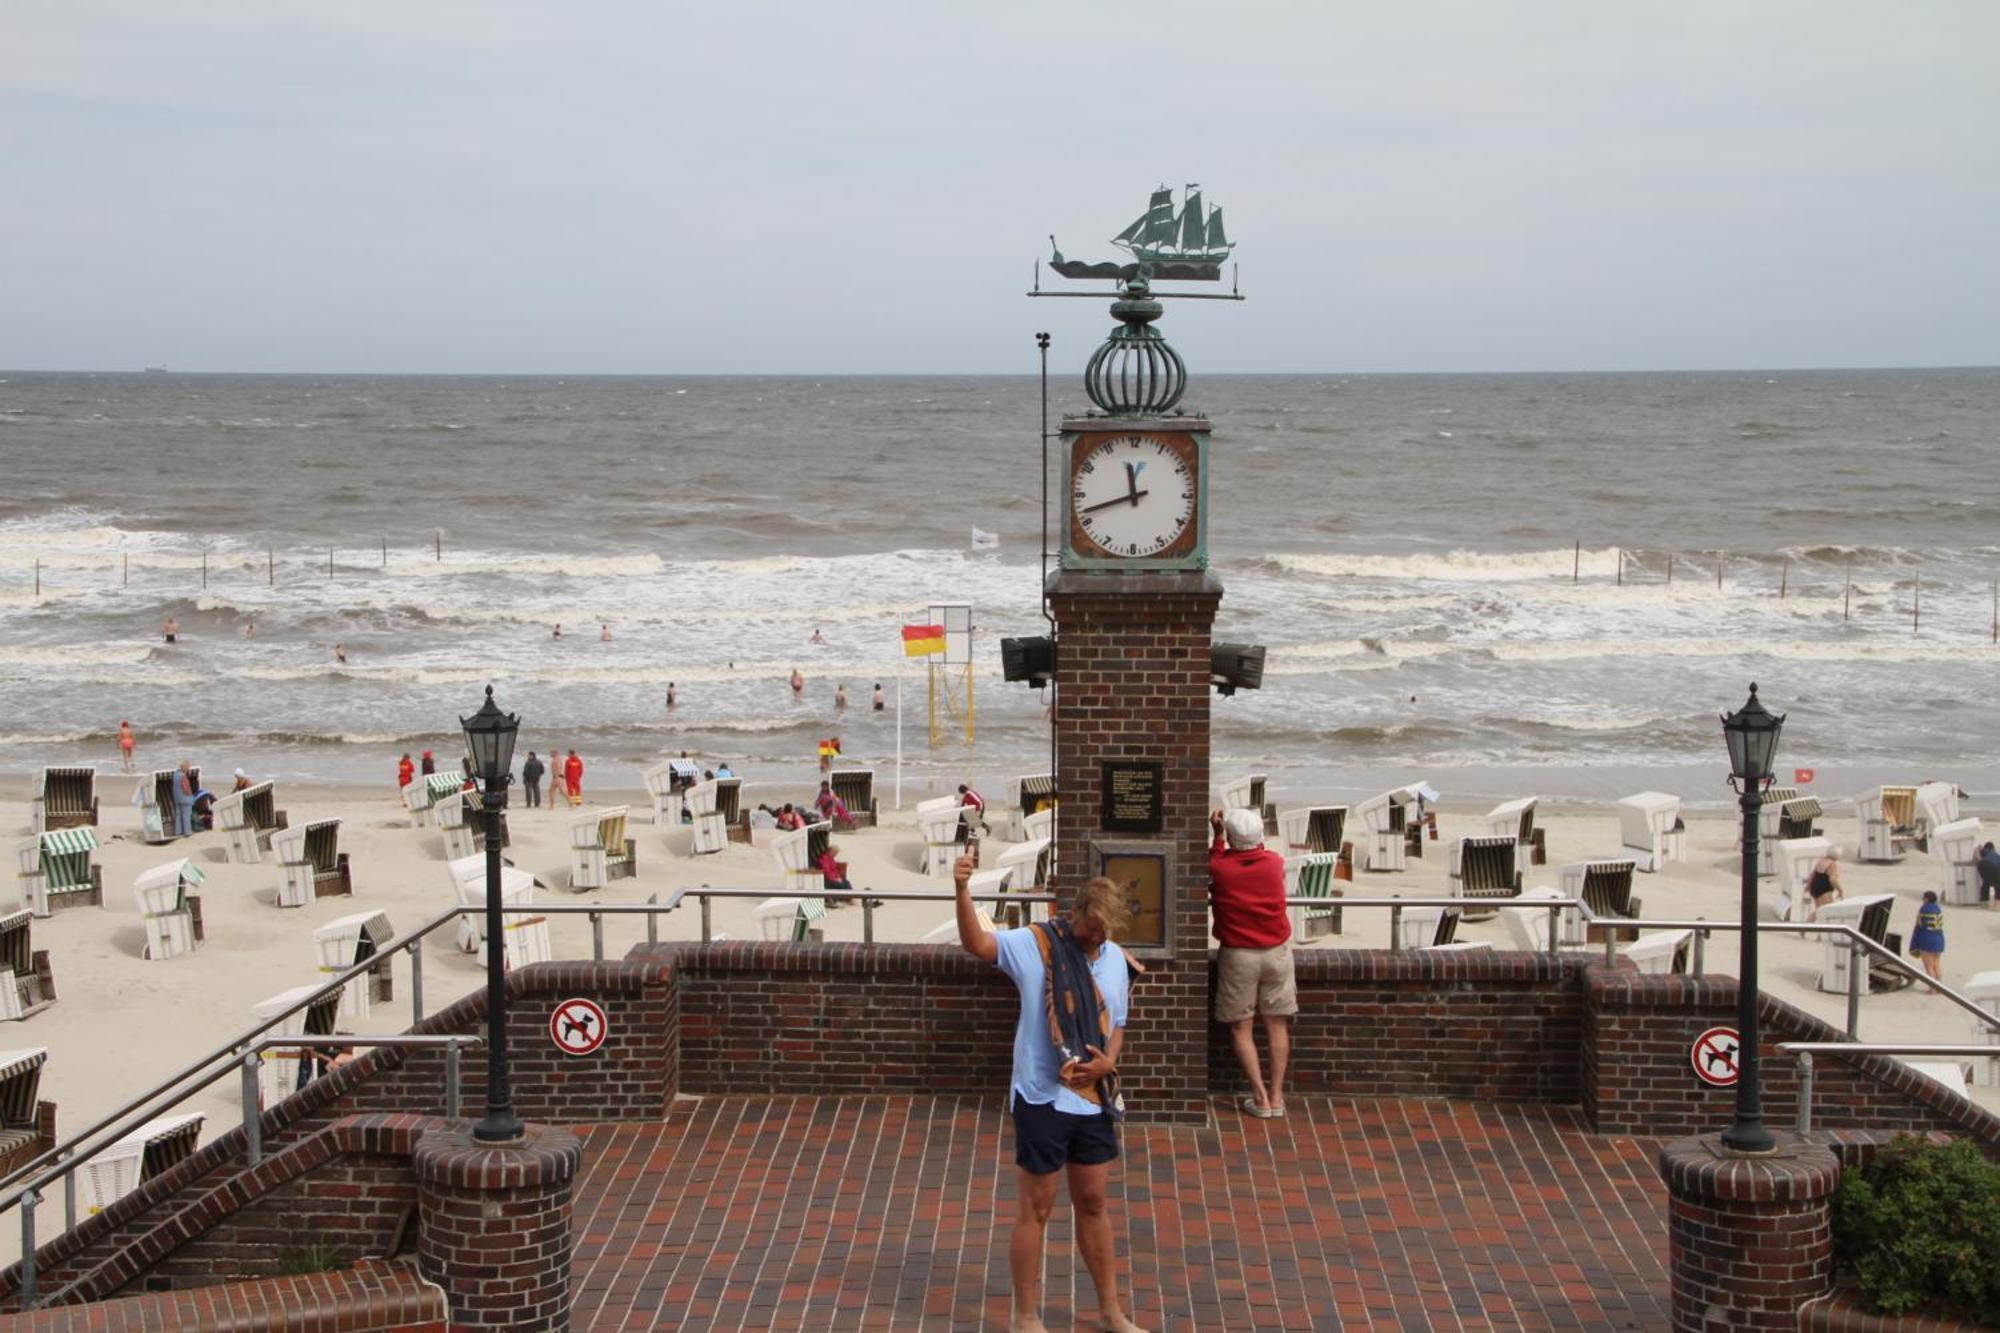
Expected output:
(1118, 1323)
(1027, 1323)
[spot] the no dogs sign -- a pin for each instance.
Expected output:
(1714, 1057)
(578, 1027)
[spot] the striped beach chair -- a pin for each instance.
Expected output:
(172, 913)
(351, 940)
(1606, 889)
(1385, 823)
(715, 805)
(1247, 793)
(59, 870)
(1030, 793)
(27, 1123)
(1888, 818)
(1870, 916)
(599, 851)
(856, 789)
(939, 822)
(1518, 818)
(1426, 927)
(420, 798)
(68, 799)
(27, 984)
(1485, 867)
(281, 1070)
(310, 863)
(797, 852)
(667, 783)
(148, 1150)
(1028, 863)
(796, 919)
(248, 818)
(154, 795)
(1311, 876)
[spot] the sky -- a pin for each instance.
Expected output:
(459, 186)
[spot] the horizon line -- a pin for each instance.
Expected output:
(968, 374)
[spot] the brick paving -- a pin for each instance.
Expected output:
(818, 1213)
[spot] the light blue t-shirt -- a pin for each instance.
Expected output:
(1036, 1066)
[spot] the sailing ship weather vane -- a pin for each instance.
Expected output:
(1136, 373)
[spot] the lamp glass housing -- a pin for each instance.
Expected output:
(1752, 734)
(489, 742)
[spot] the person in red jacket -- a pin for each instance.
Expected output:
(406, 772)
(573, 777)
(1246, 894)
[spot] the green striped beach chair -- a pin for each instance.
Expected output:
(801, 916)
(58, 870)
(27, 1123)
(1311, 876)
(28, 986)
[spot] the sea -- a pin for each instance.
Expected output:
(1502, 584)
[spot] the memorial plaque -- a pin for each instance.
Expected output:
(1144, 875)
(1134, 797)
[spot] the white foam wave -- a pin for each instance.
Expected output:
(1455, 567)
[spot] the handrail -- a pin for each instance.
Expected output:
(869, 897)
(1803, 1051)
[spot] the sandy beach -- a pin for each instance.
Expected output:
(122, 1023)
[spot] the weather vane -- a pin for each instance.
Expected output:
(1136, 373)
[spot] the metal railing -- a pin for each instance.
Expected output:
(870, 898)
(1803, 1052)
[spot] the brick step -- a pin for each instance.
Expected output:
(371, 1297)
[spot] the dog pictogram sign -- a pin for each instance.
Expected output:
(578, 1027)
(1714, 1057)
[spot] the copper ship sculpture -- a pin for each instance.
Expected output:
(1188, 246)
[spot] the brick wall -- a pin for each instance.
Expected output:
(1132, 677)
(1503, 1027)
(1636, 1076)
(368, 1298)
(839, 1018)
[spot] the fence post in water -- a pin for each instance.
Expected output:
(204, 567)
(270, 568)
(128, 568)
(38, 576)
(437, 544)
(329, 562)
(1996, 610)
(1670, 569)
(1784, 578)
(1720, 557)
(1847, 593)
(1619, 551)
(385, 553)
(1576, 562)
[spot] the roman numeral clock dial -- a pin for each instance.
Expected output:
(1133, 497)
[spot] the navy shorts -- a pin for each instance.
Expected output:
(1046, 1140)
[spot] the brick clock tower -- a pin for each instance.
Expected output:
(1133, 604)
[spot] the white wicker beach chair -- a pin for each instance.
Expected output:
(794, 919)
(172, 912)
(1649, 824)
(1792, 860)
(59, 869)
(1956, 846)
(148, 1150)
(1385, 825)
(67, 798)
(599, 851)
(797, 852)
(248, 819)
(1029, 793)
(526, 938)
(938, 822)
(1983, 989)
(27, 983)
(310, 863)
(1869, 915)
(342, 943)
(282, 1071)
(1888, 817)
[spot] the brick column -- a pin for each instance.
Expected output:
(493, 1227)
(1132, 684)
(1751, 1237)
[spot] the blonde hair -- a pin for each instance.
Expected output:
(1103, 899)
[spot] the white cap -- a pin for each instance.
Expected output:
(240, 773)
(1244, 827)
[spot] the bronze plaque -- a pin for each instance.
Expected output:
(1143, 876)
(1135, 797)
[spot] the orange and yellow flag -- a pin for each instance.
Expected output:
(922, 640)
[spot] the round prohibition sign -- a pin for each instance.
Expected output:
(578, 1027)
(1714, 1057)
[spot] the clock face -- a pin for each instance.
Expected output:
(1132, 496)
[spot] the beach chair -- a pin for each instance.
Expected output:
(1796, 816)
(173, 915)
(1888, 818)
(154, 795)
(1247, 793)
(1312, 828)
(797, 852)
(946, 932)
(1528, 927)
(794, 919)
(1983, 989)
(1029, 864)
(422, 796)
(1957, 848)
(938, 823)
(1426, 927)
(68, 799)
(27, 1123)
(1606, 889)
(1793, 859)
(1937, 805)
(525, 936)
(310, 863)
(1461, 946)
(1518, 818)
(1870, 916)
(599, 851)
(28, 985)
(1034, 792)
(1041, 824)
(667, 783)
(1311, 876)
(341, 944)
(1661, 951)
(1386, 826)
(1649, 825)
(1768, 816)
(282, 1071)
(248, 818)
(856, 789)
(713, 803)
(59, 870)
(461, 816)
(1485, 866)
(148, 1150)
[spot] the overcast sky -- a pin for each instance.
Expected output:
(482, 185)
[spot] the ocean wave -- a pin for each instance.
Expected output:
(1456, 567)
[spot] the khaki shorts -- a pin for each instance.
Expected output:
(1249, 982)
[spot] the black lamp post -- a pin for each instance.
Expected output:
(1752, 733)
(489, 743)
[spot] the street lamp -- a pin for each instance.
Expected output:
(1752, 733)
(489, 743)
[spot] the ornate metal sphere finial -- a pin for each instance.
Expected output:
(1136, 373)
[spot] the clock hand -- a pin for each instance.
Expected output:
(1132, 479)
(1132, 499)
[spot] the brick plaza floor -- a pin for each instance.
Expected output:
(823, 1213)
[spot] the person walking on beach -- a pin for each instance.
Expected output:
(531, 778)
(573, 777)
(1927, 940)
(127, 743)
(1075, 988)
(171, 631)
(798, 684)
(1253, 974)
(840, 698)
(878, 696)
(184, 794)
(1823, 883)
(406, 771)
(1989, 877)
(429, 766)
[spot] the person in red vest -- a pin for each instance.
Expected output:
(573, 777)
(406, 772)
(1246, 894)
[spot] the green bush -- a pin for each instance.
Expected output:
(1919, 1226)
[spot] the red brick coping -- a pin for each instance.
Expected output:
(368, 1298)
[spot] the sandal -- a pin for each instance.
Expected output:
(1250, 1107)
